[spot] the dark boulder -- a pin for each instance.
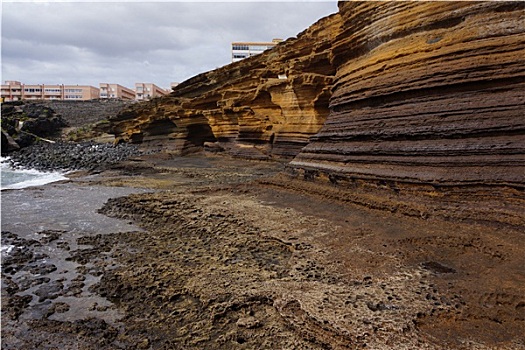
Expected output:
(8, 144)
(28, 122)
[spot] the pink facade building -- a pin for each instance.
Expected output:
(146, 91)
(16, 91)
(116, 91)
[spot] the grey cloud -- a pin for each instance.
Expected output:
(98, 41)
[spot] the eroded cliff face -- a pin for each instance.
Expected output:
(428, 98)
(430, 91)
(267, 105)
(385, 99)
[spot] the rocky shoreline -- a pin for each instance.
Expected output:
(389, 213)
(32, 137)
(67, 156)
(210, 252)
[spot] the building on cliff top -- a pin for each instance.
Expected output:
(17, 91)
(116, 91)
(146, 91)
(242, 50)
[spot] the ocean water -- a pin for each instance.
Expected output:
(22, 178)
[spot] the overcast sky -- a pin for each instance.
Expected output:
(127, 42)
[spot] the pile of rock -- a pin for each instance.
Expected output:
(71, 156)
(22, 124)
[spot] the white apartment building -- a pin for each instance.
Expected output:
(242, 50)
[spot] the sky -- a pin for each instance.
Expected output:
(126, 42)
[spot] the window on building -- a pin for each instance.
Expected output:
(240, 47)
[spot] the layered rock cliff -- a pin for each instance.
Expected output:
(429, 92)
(269, 104)
(391, 98)
(428, 99)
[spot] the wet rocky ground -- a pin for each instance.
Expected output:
(203, 252)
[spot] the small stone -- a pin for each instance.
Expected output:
(60, 308)
(144, 344)
(248, 322)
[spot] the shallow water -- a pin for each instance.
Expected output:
(70, 212)
(22, 178)
(67, 207)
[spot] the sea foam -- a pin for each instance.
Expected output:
(22, 178)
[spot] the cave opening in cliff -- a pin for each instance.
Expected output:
(200, 133)
(160, 127)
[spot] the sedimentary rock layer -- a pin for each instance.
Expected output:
(391, 100)
(429, 92)
(266, 105)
